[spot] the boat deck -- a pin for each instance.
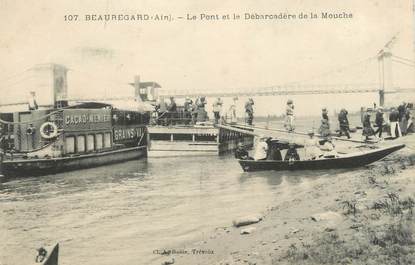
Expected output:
(195, 140)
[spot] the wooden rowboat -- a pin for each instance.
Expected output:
(351, 160)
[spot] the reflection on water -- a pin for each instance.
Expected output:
(119, 214)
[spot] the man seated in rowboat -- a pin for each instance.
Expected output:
(241, 152)
(292, 153)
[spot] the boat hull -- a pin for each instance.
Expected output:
(348, 161)
(35, 167)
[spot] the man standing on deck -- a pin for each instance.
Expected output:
(217, 109)
(172, 111)
(379, 121)
(161, 109)
(394, 123)
(249, 109)
(344, 123)
(289, 118)
(367, 126)
(187, 110)
(32, 101)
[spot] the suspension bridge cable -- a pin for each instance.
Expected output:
(404, 59)
(334, 71)
(410, 65)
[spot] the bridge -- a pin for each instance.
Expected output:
(377, 68)
(285, 90)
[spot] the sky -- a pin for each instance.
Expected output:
(210, 55)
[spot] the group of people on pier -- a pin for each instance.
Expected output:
(194, 111)
(190, 113)
(397, 123)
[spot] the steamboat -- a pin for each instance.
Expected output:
(59, 136)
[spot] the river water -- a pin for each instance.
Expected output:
(120, 214)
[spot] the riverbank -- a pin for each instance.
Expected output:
(360, 217)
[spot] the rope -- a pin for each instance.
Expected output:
(164, 113)
(141, 138)
(31, 121)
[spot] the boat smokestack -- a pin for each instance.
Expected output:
(50, 83)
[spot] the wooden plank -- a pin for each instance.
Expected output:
(285, 134)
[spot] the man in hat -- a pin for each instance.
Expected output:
(217, 109)
(249, 110)
(241, 152)
(161, 109)
(172, 111)
(379, 121)
(188, 110)
(394, 123)
(344, 123)
(32, 101)
(367, 126)
(289, 116)
(292, 154)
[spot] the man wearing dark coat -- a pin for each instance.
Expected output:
(241, 152)
(344, 123)
(172, 110)
(249, 111)
(292, 153)
(379, 121)
(367, 126)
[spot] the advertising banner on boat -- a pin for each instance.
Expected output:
(131, 134)
(86, 119)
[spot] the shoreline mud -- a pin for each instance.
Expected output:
(363, 217)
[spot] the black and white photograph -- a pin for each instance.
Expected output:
(254, 132)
